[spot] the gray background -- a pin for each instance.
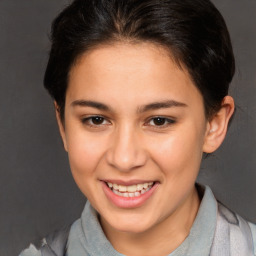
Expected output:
(37, 192)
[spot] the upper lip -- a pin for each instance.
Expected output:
(128, 182)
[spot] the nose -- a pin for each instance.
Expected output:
(126, 150)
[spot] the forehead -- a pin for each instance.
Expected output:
(130, 71)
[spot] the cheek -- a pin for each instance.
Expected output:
(180, 155)
(84, 153)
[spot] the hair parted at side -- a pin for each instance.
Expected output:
(193, 31)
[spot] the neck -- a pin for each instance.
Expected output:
(161, 239)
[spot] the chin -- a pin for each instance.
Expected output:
(133, 229)
(130, 224)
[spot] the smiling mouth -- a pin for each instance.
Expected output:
(135, 190)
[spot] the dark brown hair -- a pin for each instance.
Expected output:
(193, 31)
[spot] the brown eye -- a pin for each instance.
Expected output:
(97, 120)
(159, 121)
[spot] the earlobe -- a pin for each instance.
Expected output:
(60, 125)
(217, 126)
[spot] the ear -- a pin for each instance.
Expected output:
(217, 126)
(61, 125)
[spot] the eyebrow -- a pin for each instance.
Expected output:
(161, 104)
(142, 109)
(92, 104)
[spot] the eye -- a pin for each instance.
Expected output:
(160, 122)
(95, 121)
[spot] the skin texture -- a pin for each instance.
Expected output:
(128, 144)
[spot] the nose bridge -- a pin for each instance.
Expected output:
(126, 151)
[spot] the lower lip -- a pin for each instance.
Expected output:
(128, 202)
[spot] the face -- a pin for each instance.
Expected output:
(134, 131)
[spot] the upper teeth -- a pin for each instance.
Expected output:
(132, 188)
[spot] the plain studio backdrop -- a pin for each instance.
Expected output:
(37, 192)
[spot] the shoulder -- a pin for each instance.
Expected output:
(253, 230)
(53, 245)
(234, 219)
(235, 230)
(31, 251)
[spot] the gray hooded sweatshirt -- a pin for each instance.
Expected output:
(216, 231)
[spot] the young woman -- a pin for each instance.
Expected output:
(141, 93)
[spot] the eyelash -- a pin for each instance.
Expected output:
(167, 122)
(87, 121)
